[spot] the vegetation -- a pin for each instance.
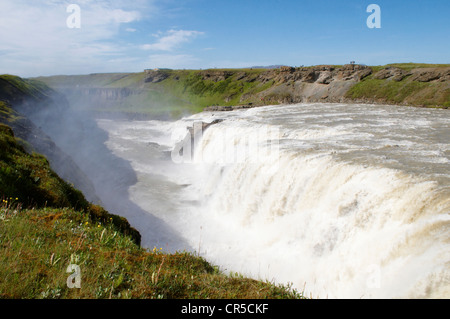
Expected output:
(410, 66)
(16, 87)
(37, 246)
(406, 92)
(181, 92)
(29, 179)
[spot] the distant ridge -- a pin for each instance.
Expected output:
(166, 93)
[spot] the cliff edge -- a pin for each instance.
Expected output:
(165, 93)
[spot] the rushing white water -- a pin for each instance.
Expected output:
(342, 201)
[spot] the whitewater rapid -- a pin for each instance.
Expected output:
(342, 201)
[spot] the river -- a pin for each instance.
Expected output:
(342, 201)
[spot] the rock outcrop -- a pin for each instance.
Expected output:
(430, 75)
(419, 75)
(155, 76)
(215, 75)
(322, 74)
(392, 73)
(306, 84)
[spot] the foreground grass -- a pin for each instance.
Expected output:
(38, 245)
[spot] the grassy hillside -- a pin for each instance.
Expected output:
(37, 246)
(408, 88)
(29, 180)
(181, 92)
(15, 88)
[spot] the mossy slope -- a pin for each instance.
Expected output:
(37, 246)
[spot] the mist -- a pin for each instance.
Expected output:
(74, 130)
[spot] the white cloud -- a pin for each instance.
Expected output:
(35, 39)
(172, 40)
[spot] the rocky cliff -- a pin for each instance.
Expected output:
(315, 84)
(328, 83)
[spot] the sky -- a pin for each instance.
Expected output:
(51, 37)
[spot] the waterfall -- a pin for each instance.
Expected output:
(341, 201)
(305, 215)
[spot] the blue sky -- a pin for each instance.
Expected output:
(129, 36)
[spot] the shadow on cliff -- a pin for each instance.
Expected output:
(78, 135)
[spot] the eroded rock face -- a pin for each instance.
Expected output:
(216, 75)
(352, 72)
(155, 76)
(430, 74)
(419, 75)
(393, 73)
(322, 74)
(325, 77)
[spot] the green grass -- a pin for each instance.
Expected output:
(410, 66)
(88, 80)
(190, 87)
(11, 85)
(22, 174)
(37, 246)
(429, 94)
(182, 92)
(7, 114)
(401, 92)
(28, 178)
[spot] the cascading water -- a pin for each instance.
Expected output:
(342, 201)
